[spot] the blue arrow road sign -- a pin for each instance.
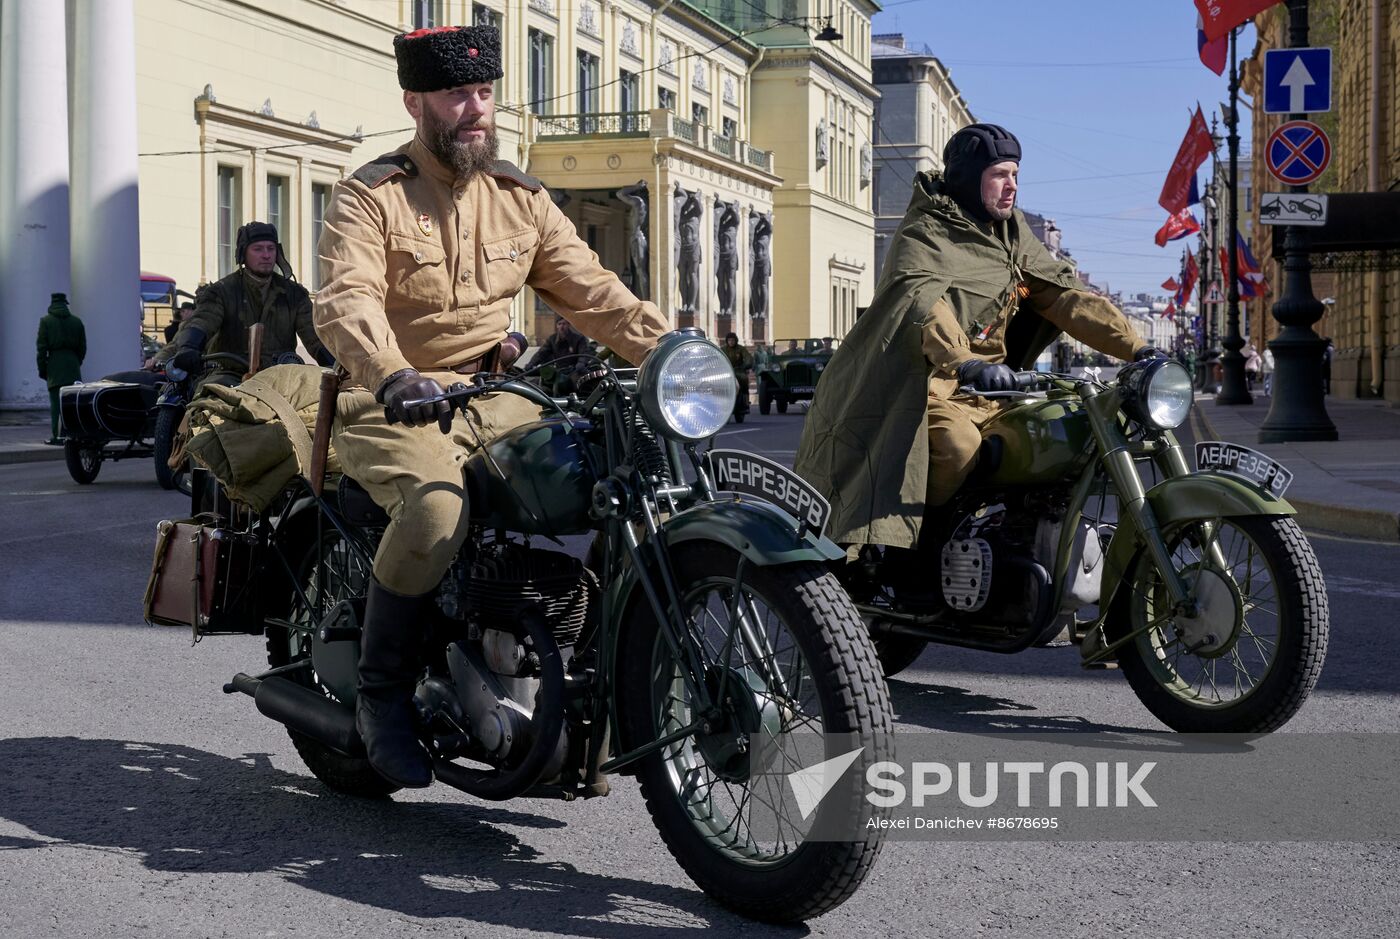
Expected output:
(1297, 81)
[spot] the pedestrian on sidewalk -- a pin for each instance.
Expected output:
(62, 345)
(1251, 365)
(1266, 371)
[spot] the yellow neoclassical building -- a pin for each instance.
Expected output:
(739, 141)
(716, 154)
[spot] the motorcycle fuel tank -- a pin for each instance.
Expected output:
(1043, 440)
(540, 483)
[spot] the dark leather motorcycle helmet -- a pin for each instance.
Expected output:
(967, 153)
(254, 232)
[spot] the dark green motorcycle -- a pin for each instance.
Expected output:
(1083, 522)
(698, 622)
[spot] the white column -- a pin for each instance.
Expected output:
(33, 187)
(106, 219)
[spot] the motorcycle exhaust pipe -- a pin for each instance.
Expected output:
(303, 710)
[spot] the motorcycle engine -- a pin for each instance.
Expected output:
(990, 573)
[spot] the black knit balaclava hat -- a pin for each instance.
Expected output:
(967, 153)
(448, 56)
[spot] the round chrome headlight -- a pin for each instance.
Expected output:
(687, 386)
(1159, 393)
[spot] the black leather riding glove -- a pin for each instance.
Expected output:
(402, 387)
(985, 376)
(1148, 353)
(188, 359)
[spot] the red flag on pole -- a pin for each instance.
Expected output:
(1171, 284)
(1189, 278)
(1177, 226)
(1221, 16)
(1196, 147)
(1213, 52)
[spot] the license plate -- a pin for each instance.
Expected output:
(749, 474)
(802, 389)
(1250, 465)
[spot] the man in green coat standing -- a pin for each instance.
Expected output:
(967, 294)
(62, 347)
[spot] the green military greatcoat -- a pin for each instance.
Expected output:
(62, 345)
(865, 443)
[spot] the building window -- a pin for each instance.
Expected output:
(320, 202)
(229, 217)
(731, 128)
(482, 15)
(588, 86)
(541, 72)
(629, 98)
(665, 98)
(429, 13)
(277, 189)
(700, 114)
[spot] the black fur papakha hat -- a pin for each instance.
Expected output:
(448, 56)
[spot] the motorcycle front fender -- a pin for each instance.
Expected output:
(1182, 499)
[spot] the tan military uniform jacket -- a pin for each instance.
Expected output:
(418, 270)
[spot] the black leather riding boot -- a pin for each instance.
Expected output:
(390, 642)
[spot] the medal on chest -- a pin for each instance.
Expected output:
(426, 224)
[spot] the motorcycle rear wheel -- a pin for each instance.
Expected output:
(1255, 667)
(342, 577)
(817, 644)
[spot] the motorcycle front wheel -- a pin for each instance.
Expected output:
(1253, 652)
(163, 444)
(800, 661)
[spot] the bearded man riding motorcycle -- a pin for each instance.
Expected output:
(967, 294)
(424, 250)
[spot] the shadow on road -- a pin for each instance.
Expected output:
(944, 707)
(184, 810)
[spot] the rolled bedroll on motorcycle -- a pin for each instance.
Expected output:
(701, 621)
(1208, 595)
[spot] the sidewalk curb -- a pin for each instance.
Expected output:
(1374, 524)
(26, 455)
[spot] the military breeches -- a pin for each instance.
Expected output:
(954, 436)
(416, 475)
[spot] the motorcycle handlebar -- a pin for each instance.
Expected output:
(1024, 381)
(458, 394)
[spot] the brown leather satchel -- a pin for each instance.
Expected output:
(201, 579)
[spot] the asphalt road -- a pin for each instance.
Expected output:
(137, 800)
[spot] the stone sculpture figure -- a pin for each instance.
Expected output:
(638, 249)
(688, 247)
(726, 253)
(823, 150)
(760, 262)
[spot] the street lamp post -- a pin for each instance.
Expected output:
(1297, 410)
(1233, 387)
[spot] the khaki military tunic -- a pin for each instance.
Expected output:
(418, 270)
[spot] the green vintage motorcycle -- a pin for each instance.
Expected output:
(1085, 523)
(698, 622)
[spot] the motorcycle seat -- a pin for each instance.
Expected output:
(357, 507)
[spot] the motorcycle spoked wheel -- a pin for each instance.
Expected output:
(1260, 639)
(83, 462)
(342, 577)
(817, 644)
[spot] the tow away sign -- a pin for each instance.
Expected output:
(1289, 208)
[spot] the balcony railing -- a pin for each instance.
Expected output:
(640, 124)
(614, 124)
